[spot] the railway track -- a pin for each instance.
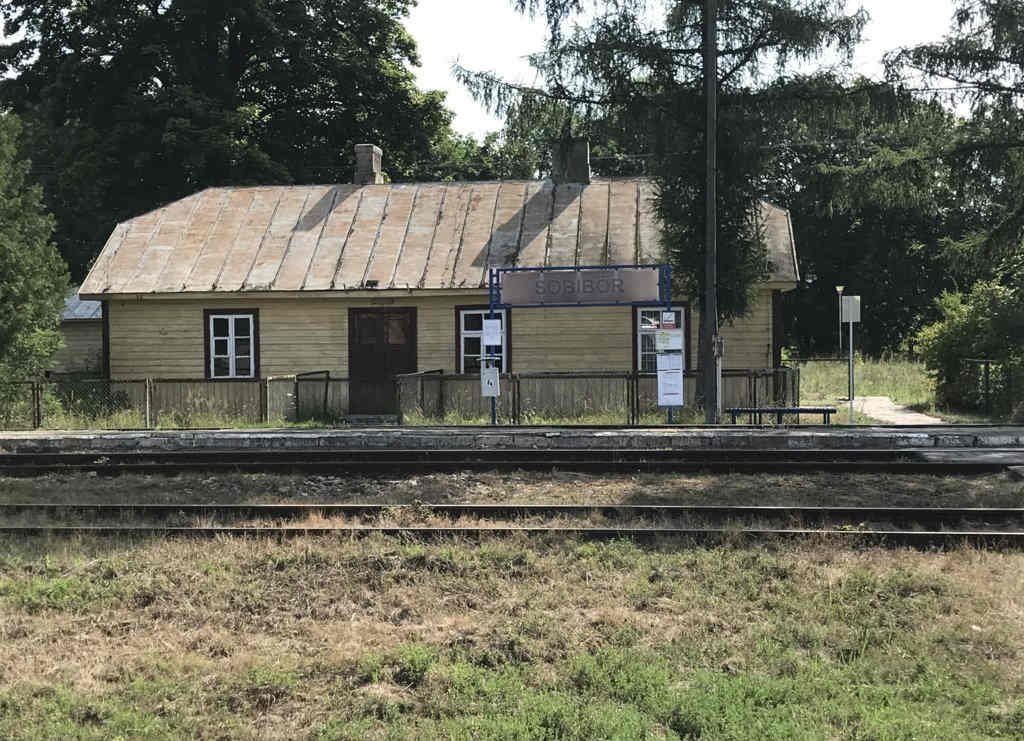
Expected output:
(917, 527)
(594, 460)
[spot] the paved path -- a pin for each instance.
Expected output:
(884, 410)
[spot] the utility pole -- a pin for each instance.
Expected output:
(712, 347)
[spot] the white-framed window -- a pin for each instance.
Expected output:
(471, 330)
(648, 321)
(232, 345)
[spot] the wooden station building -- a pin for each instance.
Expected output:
(367, 280)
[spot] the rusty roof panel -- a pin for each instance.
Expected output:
(447, 237)
(622, 223)
(363, 237)
(275, 241)
(508, 221)
(319, 238)
(565, 224)
(536, 219)
(200, 227)
(647, 232)
(250, 236)
(304, 237)
(202, 276)
(422, 224)
(391, 236)
(471, 264)
(594, 225)
(99, 274)
(167, 242)
(320, 274)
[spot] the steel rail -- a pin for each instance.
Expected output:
(622, 511)
(594, 460)
(506, 454)
(912, 538)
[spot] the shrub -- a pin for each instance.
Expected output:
(986, 323)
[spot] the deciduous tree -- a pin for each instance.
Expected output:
(33, 278)
(135, 104)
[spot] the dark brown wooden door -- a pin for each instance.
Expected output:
(381, 344)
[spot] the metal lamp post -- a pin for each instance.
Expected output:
(839, 292)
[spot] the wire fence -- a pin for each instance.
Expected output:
(74, 403)
(579, 398)
(992, 387)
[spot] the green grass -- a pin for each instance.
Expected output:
(506, 639)
(904, 381)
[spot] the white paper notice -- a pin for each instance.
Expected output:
(670, 380)
(667, 340)
(492, 333)
(489, 382)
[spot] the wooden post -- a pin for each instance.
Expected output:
(148, 392)
(263, 389)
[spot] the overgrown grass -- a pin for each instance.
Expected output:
(506, 639)
(904, 381)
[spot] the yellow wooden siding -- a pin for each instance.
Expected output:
(748, 340)
(567, 339)
(164, 339)
(83, 348)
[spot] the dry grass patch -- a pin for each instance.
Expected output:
(526, 488)
(506, 638)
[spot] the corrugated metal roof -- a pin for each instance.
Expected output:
(75, 309)
(347, 237)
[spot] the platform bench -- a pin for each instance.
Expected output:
(757, 412)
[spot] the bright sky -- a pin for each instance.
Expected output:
(489, 35)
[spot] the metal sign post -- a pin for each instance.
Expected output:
(851, 314)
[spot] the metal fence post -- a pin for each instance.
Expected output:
(37, 406)
(988, 397)
(517, 407)
(263, 389)
(398, 397)
(149, 401)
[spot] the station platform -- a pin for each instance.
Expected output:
(944, 437)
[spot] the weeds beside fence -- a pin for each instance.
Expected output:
(991, 387)
(78, 403)
(71, 403)
(579, 398)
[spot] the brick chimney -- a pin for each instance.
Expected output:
(368, 165)
(570, 161)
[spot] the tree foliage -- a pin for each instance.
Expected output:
(131, 105)
(874, 209)
(980, 63)
(33, 278)
(629, 77)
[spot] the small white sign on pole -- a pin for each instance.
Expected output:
(489, 382)
(492, 333)
(851, 309)
(668, 320)
(670, 380)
